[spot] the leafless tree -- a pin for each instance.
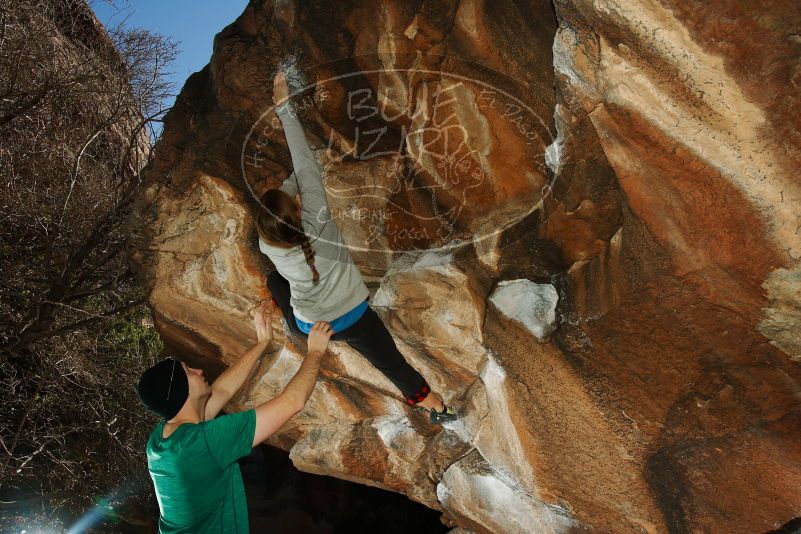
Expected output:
(74, 137)
(77, 109)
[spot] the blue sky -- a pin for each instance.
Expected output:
(190, 23)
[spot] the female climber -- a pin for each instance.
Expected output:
(316, 279)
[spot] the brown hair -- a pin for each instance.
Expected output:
(277, 221)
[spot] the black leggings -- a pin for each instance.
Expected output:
(369, 336)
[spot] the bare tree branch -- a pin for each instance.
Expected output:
(77, 104)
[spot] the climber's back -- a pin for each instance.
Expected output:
(305, 244)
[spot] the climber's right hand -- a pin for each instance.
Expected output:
(320, 333)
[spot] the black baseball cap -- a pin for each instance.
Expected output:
(164, 388)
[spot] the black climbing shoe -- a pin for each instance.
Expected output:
(437, 418)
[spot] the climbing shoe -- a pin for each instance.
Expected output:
(437, 418)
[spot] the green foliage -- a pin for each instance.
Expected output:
(132, 335)
(90, 429)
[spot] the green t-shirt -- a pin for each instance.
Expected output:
(198, 483)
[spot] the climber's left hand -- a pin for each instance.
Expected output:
(280, 88)
(263, 324)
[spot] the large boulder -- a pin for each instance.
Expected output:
(579, 220)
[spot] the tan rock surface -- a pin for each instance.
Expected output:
(649, 175)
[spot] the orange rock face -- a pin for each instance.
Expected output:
(639, 157)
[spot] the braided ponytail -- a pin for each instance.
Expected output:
(277, 221)
(309, 253)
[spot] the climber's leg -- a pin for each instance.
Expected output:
(371, 338)
(279, 287)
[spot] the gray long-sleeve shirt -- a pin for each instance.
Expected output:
(340, 287)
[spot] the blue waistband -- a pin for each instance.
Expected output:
(340, 323)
